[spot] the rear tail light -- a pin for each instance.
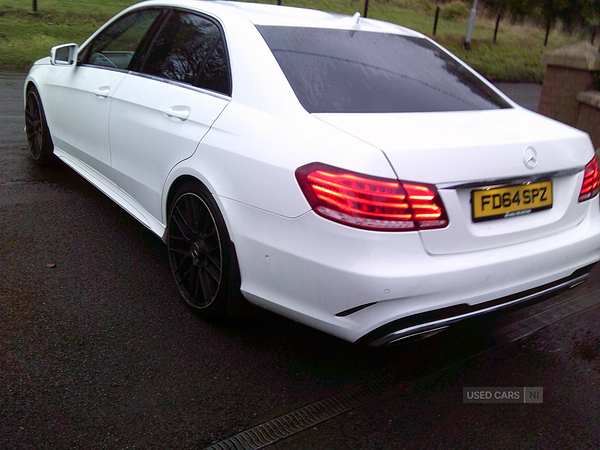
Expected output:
(591, 181)
(371, 203)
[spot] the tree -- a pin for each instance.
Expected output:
(514, 9)
(572, 14)
(592, 18)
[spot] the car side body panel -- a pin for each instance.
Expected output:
(154, 126)
(69, 93)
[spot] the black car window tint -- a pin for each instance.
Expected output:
(116, 45)
(367, 72)
(189, 49)
(214, 74)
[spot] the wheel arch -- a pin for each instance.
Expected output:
(43, 155)
(28, 84)
(237, 305)
(176, 180)
(31, 83)
(175, 186)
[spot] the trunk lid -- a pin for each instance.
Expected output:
(463, 151)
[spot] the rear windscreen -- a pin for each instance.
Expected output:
(363, 72)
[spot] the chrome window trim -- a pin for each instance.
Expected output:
(182, 85)
(162, 80)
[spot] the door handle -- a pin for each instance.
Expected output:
(102, 92)
(178, 112)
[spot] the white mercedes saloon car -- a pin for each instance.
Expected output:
(346, 173)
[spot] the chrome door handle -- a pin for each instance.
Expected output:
(178, 112)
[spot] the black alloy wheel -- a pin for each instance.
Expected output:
(36, 128)
(199, 251)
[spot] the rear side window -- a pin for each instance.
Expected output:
(115, 46)
(364, 72)
(189, 49)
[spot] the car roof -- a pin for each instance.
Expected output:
(275, 15)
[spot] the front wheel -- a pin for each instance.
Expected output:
(36, 127)
(199, 251)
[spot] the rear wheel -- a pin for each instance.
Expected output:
(36, 127)
(199, 251)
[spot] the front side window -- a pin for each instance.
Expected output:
(365, 72)
(116, 45)
(189, 49)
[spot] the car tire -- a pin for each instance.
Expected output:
(36, 128)
(199, 251)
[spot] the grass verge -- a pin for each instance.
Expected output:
(26, 36)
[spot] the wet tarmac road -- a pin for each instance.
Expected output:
(97, 350)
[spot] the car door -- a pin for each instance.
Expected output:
(161, 111)
(82, 94)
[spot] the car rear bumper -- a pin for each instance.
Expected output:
(379, 287)
(431, 322)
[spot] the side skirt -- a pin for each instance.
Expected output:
(112, 191)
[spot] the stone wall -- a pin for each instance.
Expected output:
(568, 93)
(588, 118)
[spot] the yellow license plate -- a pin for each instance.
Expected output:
(511, 201)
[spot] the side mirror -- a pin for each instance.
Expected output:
(64, 55)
